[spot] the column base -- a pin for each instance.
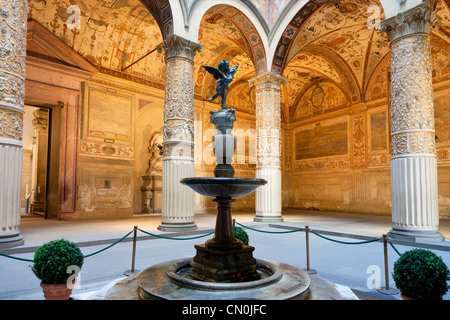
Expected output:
(11, 240)
(268, 219)
(177, 227)
(415, 235)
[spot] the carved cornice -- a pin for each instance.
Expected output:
(178, 47)
(418, 20)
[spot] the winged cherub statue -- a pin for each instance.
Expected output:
(225, 76)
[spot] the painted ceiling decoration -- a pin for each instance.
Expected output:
(327, 41)
(333, 42)
(112, 35)
(226, 33)
(162, 13)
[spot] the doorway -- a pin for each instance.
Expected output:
(41, 153)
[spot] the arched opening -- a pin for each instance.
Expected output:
(336, 106)
(226, 33)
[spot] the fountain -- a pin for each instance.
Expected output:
(223, 267)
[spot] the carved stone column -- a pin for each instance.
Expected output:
(268, 141)
(415, 214)
(178, 133)
(13, 28)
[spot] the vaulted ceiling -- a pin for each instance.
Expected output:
(334, 44)
(327, 44)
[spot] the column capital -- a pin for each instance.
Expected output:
(418, 20)
(267, 80)
(178, 47)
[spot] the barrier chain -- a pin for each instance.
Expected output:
(386, 289)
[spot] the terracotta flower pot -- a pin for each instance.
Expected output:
(405, 297)
(58, 291)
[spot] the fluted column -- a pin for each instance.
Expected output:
(268, 141)
(13, 27)
(178, 133)
(415, 214)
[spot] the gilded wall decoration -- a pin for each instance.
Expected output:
(359, 141)
(106, 150)
(108, 114)
(329, 95)
(442, 119)
(378, 131)
(378, 86)
(323, 140)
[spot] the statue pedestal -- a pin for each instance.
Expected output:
(151, 190)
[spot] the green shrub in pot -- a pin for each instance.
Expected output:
(421, 275)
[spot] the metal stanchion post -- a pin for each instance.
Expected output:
(386, 289)
(308, 269)
(132, 270)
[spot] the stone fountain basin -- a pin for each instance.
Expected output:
(223, 187)
(171, 280)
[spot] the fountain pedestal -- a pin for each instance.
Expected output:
(224, 258)
(236, 265)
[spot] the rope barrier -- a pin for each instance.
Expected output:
(174, 238)
(91, 254)
(393, 247)
(204, 235)
(265, 231)
(346, 242)
(317, 234)
(86, 256)
(16, 258)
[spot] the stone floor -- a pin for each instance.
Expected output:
(345, 266)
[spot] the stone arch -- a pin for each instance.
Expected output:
(349, 78)
(244, 18)
(162, 12)
(279, 59)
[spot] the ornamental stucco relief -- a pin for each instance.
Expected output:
(412, 109)
(13, 30)
(268, 119)
(178, 131)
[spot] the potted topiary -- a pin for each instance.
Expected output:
(56, 264)
(420, 274)
(240, 234)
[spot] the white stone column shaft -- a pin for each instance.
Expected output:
(268, 141)
(178, 133)
(415, 214)
(13, 28)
